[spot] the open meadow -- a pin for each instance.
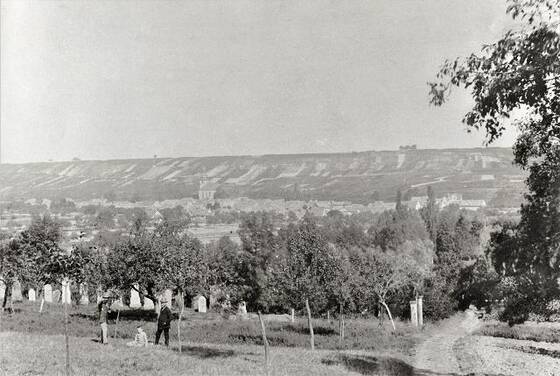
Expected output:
(33, 344)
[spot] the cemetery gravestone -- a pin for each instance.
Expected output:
(135, 298)
(199, 303)
(56, 294)
(31, 295)
(48, 293)
(420, 313)
(66, 294)
(242, 309)
(16, 292)
(2, 290)
(413, 313)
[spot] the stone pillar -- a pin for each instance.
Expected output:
(66, 294)
(84, 296)
(47, 293)
(16, 292)
(201, 304)
(413, 313)
(135, 298)
(420, 313)
(31, 295)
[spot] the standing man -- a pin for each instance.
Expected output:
(103, 311)
(164, 322)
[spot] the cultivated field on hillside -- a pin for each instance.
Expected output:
(359, 177)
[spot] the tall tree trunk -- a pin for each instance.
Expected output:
(7, 294)
(42, 304)
(265, 342)
(66, 339)
(312, 339)
(179, 322)
(389, 312)
(341, 325)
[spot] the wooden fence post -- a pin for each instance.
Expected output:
(310, 324)
(179, 322)
(265, 341)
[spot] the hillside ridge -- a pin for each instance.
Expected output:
(354, 176)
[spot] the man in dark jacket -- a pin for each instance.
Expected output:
(164, 322)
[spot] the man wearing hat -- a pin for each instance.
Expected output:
(164, 322)
(103, 311)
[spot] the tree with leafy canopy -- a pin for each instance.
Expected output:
(520, 74)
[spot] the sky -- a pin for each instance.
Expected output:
(112, 79)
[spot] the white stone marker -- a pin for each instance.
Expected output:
(242, 309)
(31, 295)
(200, 301)
(56, 296)
(66, 294)
(135, 298)
(16, 292)
(413, 313)
(2, 290)
(420, 313)
(47, 293)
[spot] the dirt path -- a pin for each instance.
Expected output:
(452, 350)
(437, 354)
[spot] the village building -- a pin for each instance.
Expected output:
(207, 190)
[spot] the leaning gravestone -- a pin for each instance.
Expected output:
(48, 293)
(199, 304)
(16, 292)
(31, 295)
(56, 294)
(135, 298)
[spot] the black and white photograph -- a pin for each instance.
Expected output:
(280, 187)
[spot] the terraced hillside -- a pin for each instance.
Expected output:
(359, 177)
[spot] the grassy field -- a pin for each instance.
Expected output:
(33, 344)
(543, 332)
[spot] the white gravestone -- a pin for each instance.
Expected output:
(66, 294)
(2, 290)
(420, 313)
(16, 292)
(148, 303)
(413, 313)
(199, 303)
(31, 295)
(135, 298)
(84, 295)
(242, 309)
(47, 293)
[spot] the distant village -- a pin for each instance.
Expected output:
(209, 218)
